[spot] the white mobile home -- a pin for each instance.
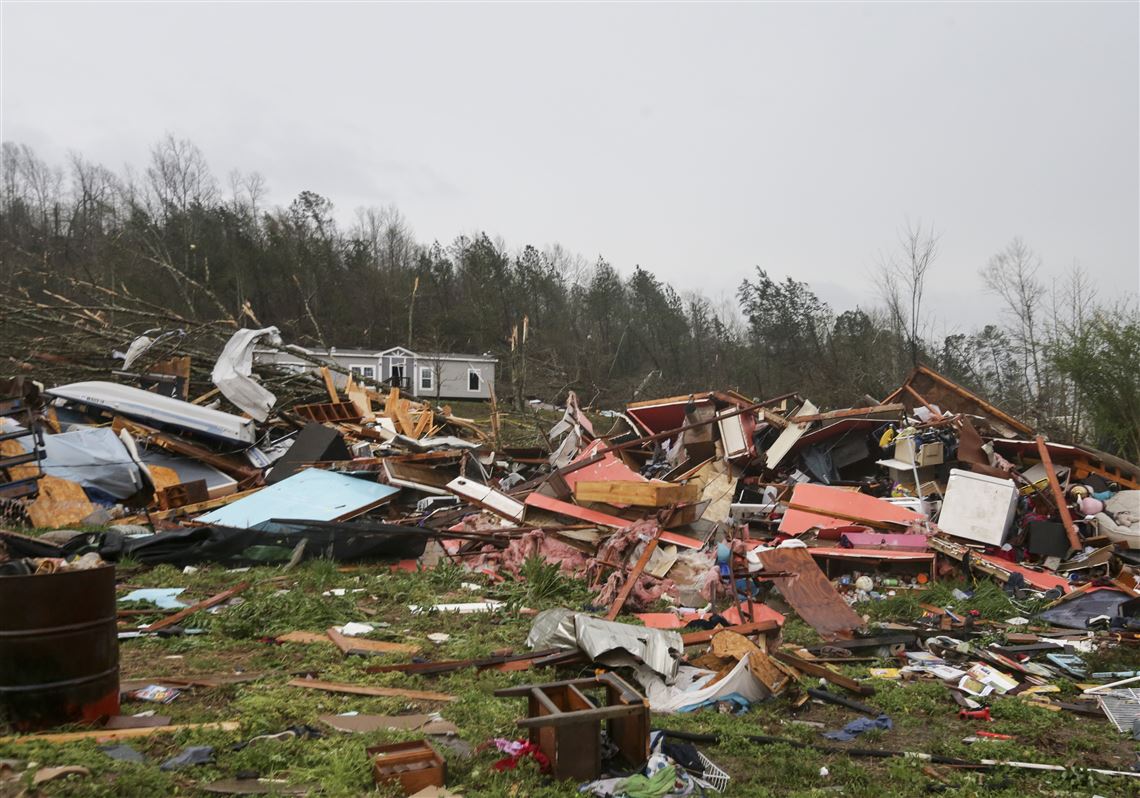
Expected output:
(425, 375)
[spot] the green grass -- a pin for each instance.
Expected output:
(925, 716)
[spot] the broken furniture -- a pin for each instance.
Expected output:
(20, 399)
(566, 725)
(415, 765)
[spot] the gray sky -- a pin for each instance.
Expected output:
(696, 140)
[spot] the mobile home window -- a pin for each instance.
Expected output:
(427, 378)
(474, 379)
(368, 371)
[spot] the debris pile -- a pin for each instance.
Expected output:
(705, 521)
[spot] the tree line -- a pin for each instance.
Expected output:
(176, 234)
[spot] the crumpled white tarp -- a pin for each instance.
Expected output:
(608, 642)
(234, 367)
(692, 686)
(137, 348)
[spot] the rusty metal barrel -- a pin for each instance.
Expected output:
(59, 648)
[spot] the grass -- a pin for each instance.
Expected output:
(925, 717)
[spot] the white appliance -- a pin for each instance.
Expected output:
(978, 507)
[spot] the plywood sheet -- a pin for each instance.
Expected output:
(810, 593)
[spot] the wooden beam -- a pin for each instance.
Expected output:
(218, 598)
(705, 635)
(188, 509)
(631, 579)
(893, 526)
(118, 734)
(823, 672)
(330, 384)
(1082, 468)
(391, 402)
(922, 401)
(207, 396)
(226, 465)
(851, 412)
(367, 689)
(362, 647)
(1058, 495)
(958, 389)
(422, 424)
(403, 420)
(775, 419)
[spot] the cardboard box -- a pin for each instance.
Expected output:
(928, 454)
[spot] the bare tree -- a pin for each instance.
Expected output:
(901, 279)
(178, 177)
(1012, 275)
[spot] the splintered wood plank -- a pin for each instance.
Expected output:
(705, 635)
(171, 620)
(851, 412)
(226, 464)
(403, 419)
(810, 593)
(367, 689)
(362, 403)
(632, 577)
(823, 672)
(118, 734)
(1058, 495)
(422, 424)
(304, 637)
(188, 509)
(330, 384)
(361, 647)
(391, 402)
(641, 494)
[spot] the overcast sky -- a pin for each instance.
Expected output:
(696, 140)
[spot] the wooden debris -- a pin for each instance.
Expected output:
(118, 734)
(705, 635)
(366, 689)
(851, 412)
(304, 637)
(823, 672)
(632, 577)
(362, 647)
(330, 384)
(810, 593)
(641, 494)
(227, 465)
(171, 620)
(189, 509)
(1058, 495)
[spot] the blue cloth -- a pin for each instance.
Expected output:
(857, 727)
